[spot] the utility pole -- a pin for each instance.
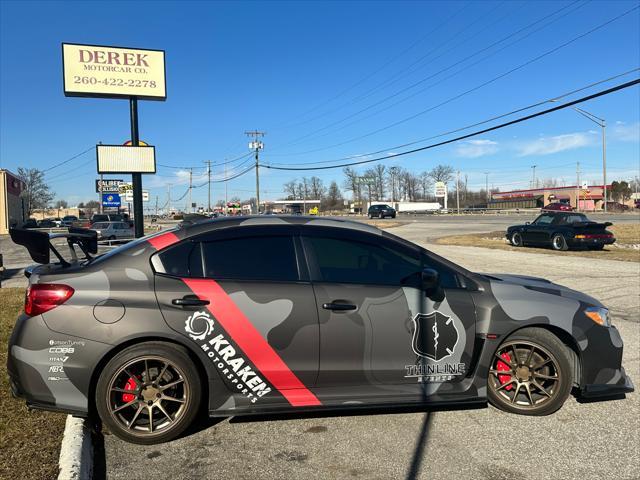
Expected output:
(486, 183)
(189, 207)
(208, 162)
(458, 191)
(168, 199)
(577, 186)
(256, 145)
(226, 189)
(156, 205)
(533, 178)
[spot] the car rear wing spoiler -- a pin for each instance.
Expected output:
(40, 247)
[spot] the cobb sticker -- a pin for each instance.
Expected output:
(233, 366)
(435, 338)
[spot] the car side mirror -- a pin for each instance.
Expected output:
(431, 285)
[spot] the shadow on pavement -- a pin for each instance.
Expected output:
(421, 444)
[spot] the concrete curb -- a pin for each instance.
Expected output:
(76, 451)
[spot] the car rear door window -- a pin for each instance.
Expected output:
(271, 258)
(350, 261)
(181, 260)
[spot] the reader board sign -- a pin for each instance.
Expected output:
(110, 200)
(128, 196)
(121, 159)
(108, 185)
(113, 72)
(440, 189)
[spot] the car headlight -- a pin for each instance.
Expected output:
(599, 315)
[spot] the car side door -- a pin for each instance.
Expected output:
(380, 336)
(538, 231)
(243, 296)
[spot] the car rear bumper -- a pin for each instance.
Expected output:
(50, 370)
(589, 242)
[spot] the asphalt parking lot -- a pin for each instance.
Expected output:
(581, 441)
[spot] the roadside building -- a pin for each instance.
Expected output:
(11, 208)
(586, 198)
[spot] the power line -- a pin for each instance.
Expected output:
(69, 159)
(443, 70)
(477, 87)
(497, 117)
(182, 167)
(473, 134)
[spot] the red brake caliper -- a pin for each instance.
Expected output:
(131, 385)
(503, 367)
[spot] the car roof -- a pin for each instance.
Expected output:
(202, 226)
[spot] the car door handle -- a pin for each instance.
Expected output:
(189, 301)
(340, 307)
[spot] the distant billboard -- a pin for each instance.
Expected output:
(113, 72)
(440, 189)
(121, 159)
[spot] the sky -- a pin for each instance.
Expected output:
(327, 81)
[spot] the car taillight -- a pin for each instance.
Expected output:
(42, 297)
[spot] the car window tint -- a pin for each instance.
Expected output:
(544, 220)
(348, 261)
(251, 258)
(448, 278)
(182, 260)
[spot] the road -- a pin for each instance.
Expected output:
(581, 441)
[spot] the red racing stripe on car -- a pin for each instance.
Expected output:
(161, 241)
(242, 331)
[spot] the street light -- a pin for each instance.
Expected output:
(602, 124)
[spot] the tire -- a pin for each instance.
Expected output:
(539, 382)
(516, 239)
(559, 243)
(141, 370)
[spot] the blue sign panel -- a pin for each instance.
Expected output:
(110, 200)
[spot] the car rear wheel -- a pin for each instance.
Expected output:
(516, 239)
(149, 393)
(558, 242)
(530, 373)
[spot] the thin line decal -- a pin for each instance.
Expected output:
(242, 331)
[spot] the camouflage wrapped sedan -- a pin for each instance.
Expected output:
(268, 314)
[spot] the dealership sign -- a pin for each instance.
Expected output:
(108, 186)
(440, 189)
(113, 72)
(110, 200)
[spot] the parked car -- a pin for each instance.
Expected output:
(260, 314)
(616, 207)
(57, 221)
(46, 223)
(113, 230)
(30, 223)
(68, 221)
(558, 206)
(108, 217)
(561, 231)
(381, 211)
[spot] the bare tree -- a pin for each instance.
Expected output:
(392, 182)
(317, 188)
(425, 185)
(61, 204)
(333, 199)
(290, 188)
(37, 194)
(442, 173)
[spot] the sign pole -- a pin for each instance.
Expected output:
(136, 178)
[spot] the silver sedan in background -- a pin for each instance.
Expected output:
(113, 230)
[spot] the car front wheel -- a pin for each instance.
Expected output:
(530, 373)
(516, 239)
(149, 393)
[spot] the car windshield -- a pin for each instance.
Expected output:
(100, 218)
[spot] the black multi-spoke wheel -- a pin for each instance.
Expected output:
(530, 373)
(148, 393)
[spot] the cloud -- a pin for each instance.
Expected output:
(476, 148)
(558, 143)
(626, 133)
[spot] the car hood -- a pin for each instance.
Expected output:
(542, 285)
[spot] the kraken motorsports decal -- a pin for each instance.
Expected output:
(435, 337)
(231, 365)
